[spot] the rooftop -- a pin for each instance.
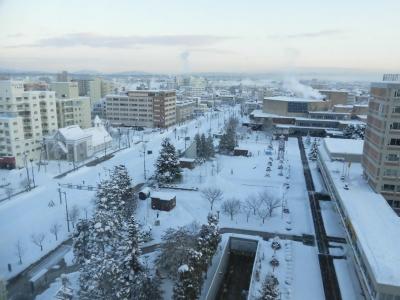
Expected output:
(292, 99)
(375, 224)
(162, 195)
(344, 146)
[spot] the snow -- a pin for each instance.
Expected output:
(295, 259)
(374, 222)
(348, 284)
(344, 146)
(99, 135)
(69, 258)
(162, 195)
(73, 132)
(56, 285)
(183, 268)
(331, 218)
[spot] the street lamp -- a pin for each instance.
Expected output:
(144, 159)
(66, 205)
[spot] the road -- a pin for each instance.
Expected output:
(328, 273)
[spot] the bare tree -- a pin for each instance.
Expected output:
(212, 195)
(74, 215)
(38, 239)
(269, 202)
(9, 192)
(263, 213)
(19, 251)
(231, 207)
(253, 202)
(247, 210)
(55, 229)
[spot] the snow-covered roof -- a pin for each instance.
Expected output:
(99, 135)
(185, 159)
(344, 146)
(73, 132)
(374, 222)
(162, 195)
(291, 99)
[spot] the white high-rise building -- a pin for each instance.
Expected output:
(25, 118)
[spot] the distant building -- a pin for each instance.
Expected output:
(381, 157)
(142, 108)
(335, 97)
(185, 110)
(65, 89)
(94, 88)
(74, 111)
(25, 118)
(62, 77)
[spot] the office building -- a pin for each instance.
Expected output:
(142, 108)
(65, 89)
(74, 111)
(381, 156)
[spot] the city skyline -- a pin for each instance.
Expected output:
(179, 36)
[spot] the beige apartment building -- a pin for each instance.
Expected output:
(185, 110)
(25, 118)
(381, 153)
(142, 108)
(74, 111)
(68, 89)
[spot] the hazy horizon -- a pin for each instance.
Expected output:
(193, 36)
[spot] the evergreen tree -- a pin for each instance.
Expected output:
(228, 140)
(208, 240)
(197, 139)
(167, 164)
(81, 240)
(203, 147)
(210, 146)
(269, 289)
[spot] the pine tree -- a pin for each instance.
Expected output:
(197, 139)
(269, 289)
(203, 147)
(81, 241)
(228, 140)
(167, 164)
(210, 146)
(208, 240)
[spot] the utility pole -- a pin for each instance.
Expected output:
(27, 171)
(144, 160)
(33, 173)
(66, 210)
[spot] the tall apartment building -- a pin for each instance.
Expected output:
(62, 77)
(92, 88)
(142, 108)
(25, 117)
(381, 154)
(74, 111)
(68, 89)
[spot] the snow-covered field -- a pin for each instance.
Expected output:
(30, 213)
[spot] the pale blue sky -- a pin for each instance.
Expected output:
(219, 35)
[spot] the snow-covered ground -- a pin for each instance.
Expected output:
(49, 293)
(331, 218)
(30, 213)
(239, 178)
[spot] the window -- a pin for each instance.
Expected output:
(396, 109)
(297, 107)
(388, 187)
(395, 142)
(393, 157)
(395, 125)
(397, 93)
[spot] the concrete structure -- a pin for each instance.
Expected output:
(25, 118)
(65, 90)
(63, 76)
(371, 228)
(381, 158)
(74, 111)
(94, 88)
(346, 150)
(142, 108)
(335, 97)
(185, 110)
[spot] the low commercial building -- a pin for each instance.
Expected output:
(370, 224)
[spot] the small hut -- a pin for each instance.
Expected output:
(240, 152)
(187, 163)
(144, 193)
(163, 201)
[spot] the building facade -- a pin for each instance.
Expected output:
(67, 89)
(74, 111)
(142, 108)
(25, 118)
(381, 154)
